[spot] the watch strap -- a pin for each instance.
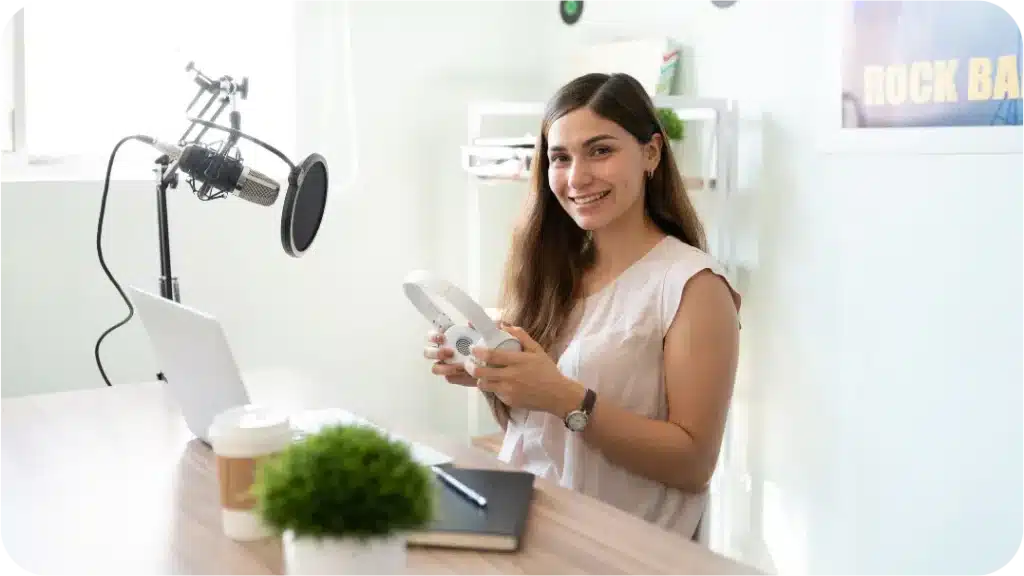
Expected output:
(577, 419)
(587, 406)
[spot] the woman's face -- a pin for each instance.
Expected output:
(597, 170)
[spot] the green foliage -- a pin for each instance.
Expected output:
(345, 482)
(671, 123)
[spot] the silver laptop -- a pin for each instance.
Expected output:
(202, 376)
(192, 352)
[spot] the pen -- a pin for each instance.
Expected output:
(459, 487)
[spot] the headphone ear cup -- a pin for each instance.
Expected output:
(506, 342)
(461, 340)
(509, 342)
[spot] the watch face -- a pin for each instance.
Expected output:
(576, 421)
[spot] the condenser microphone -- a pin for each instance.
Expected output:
(228, 174)
(304, 202)
(220, 171)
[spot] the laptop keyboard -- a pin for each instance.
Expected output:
(312, 421)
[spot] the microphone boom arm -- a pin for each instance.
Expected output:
(236, 133)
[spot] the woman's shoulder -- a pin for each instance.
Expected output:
(676, 261)
(680, 264)
(675, 250)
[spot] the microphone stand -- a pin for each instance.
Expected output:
(224, 90)
(168, 282)
(169, 288)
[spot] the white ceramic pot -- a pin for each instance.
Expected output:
(344, 555)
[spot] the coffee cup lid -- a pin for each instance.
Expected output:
(250, 420)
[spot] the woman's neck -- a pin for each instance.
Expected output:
(623, 242)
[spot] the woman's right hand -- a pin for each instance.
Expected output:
(437, 351)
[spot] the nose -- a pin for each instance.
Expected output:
(579, 175)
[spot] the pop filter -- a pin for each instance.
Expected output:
(304, 204)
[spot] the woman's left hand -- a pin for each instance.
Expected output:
(529, 379)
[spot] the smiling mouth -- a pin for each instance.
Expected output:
(590, 198)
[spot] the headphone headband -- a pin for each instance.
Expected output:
(419, 282)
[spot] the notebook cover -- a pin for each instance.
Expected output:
(459, 523)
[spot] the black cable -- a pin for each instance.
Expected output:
(99, 250)
(241, 134)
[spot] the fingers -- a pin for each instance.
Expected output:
(453, 373)
(496, 357)
(434, 350)
(462, 380)
(437, 353)
(479, 371)
(529, 344)
(446, 370)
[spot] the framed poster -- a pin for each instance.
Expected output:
(934, 76)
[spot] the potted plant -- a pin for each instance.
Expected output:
(344, 499)
(673, 126)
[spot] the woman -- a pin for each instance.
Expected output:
(609, 289)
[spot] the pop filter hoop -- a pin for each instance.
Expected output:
(304, 205)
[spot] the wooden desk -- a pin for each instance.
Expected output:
(110, 481)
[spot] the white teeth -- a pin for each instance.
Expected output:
(590, 199)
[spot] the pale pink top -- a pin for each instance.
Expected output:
(617, 351)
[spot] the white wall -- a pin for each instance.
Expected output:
(880, 394)
(337, 313)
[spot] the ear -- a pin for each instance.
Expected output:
(652, 153)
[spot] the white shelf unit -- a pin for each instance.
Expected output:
(723, 114)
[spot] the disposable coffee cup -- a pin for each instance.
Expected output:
(243, 438)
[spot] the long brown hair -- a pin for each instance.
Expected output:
(550, 253)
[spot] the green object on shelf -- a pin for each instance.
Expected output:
(570, 11)
(671, 123)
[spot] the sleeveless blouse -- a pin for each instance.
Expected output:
(617, 350)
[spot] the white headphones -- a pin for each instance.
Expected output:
(484, 332)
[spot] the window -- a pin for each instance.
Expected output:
(94, 73)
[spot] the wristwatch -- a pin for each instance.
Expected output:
(576, 421)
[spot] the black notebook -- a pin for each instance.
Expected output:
(459, 523)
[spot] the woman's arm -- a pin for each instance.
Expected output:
(701, 350)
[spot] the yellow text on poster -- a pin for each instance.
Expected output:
(934, 81)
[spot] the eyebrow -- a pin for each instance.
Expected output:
(586, 143)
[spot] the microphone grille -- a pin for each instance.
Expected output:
(257, 188)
